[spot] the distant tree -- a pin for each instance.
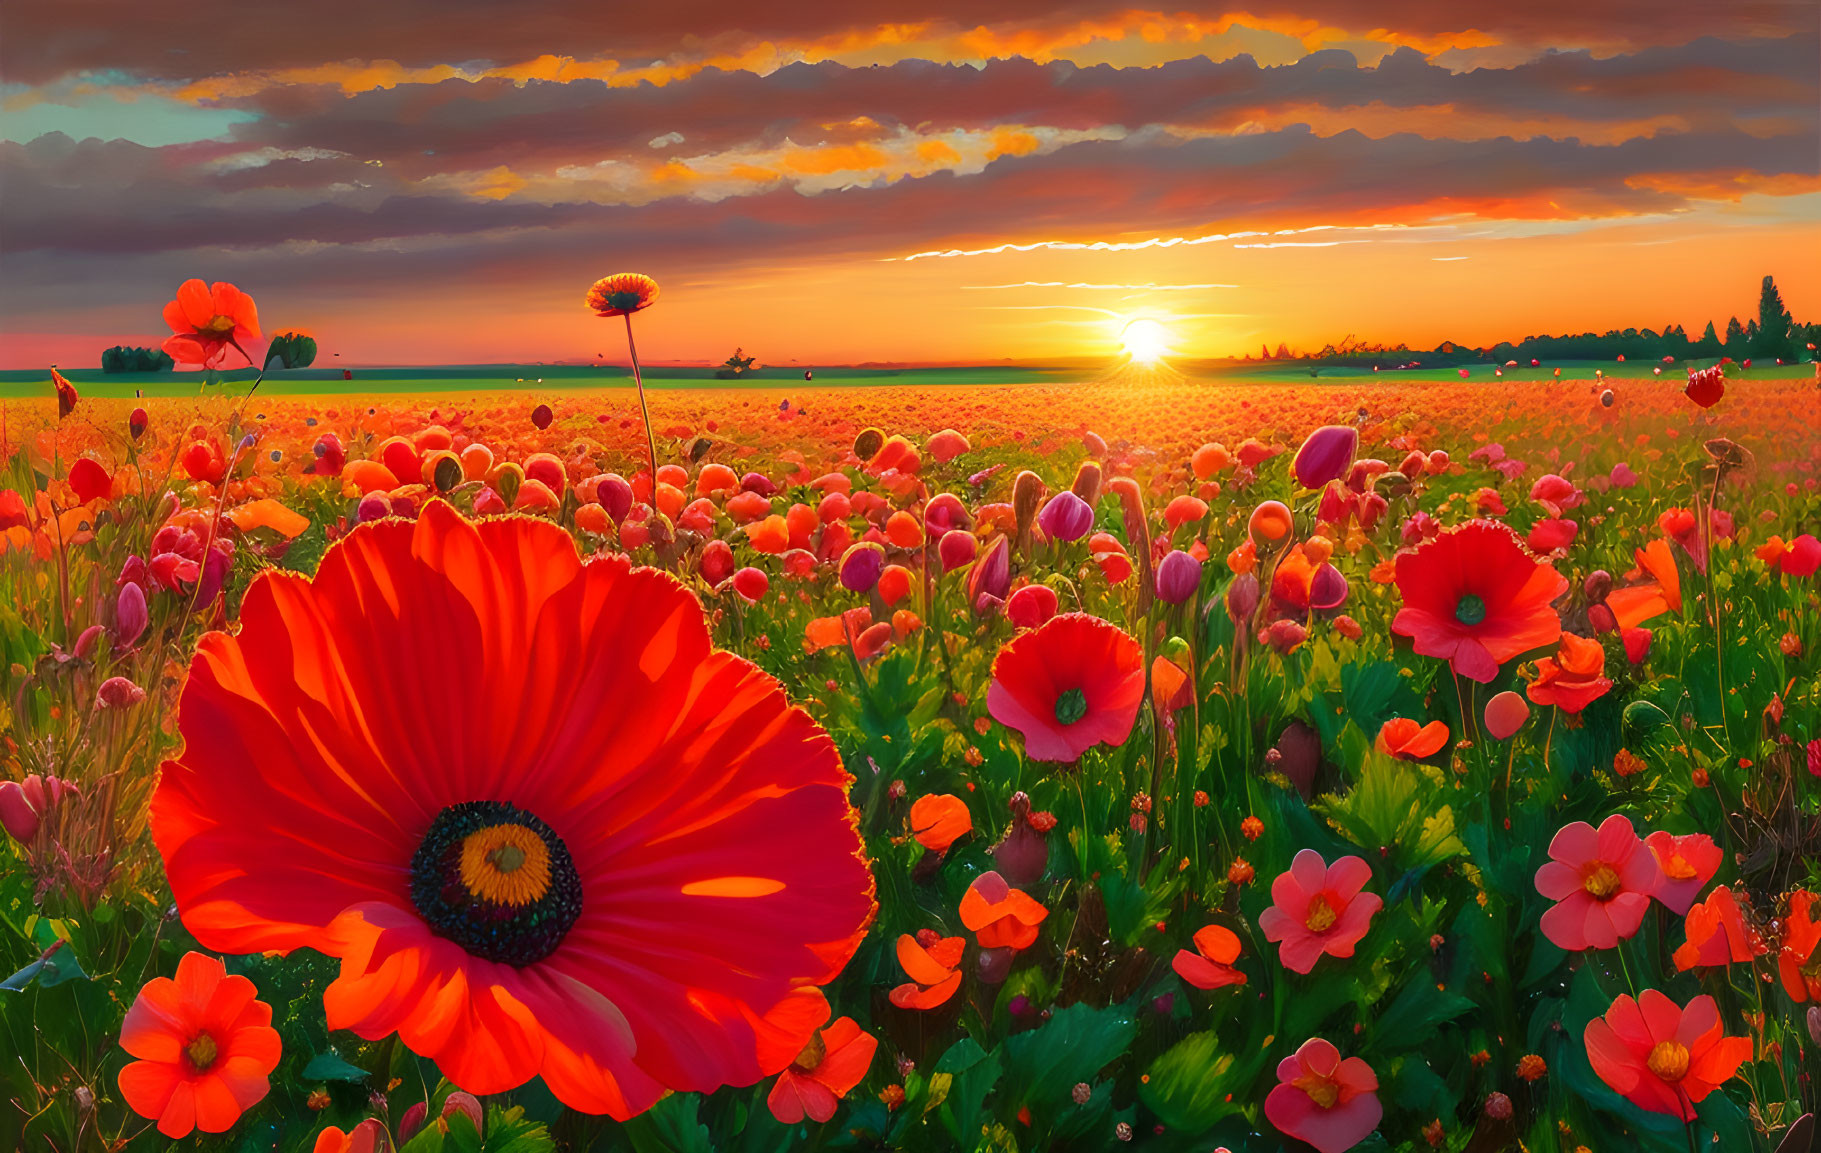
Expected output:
(121, 358)
(292, 350)
(1709, 344)
(1774, 323)
(735, 367)
(1735, 338)
(1283, 351)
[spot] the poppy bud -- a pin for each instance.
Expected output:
(716, 564)
(1242, 597)
(1413, 464)
(1284, 635)
(992, 966)
(1298, 752)
(1597, 585)
(947, 445)
(1372, 507)
(991, 575)
(1325, 455)
(1087, 482)
(759, 483)
(868, 443)
(130, 616)
(1498, 1107)
(1328, 588)
(118, 693)
(1066, 516)
(1270, 527)
(1601, 618)
(541, 416)
(1031, 605)
(486, 503)
(1637, 644)
(861, 566)
(136, 423)
(466, 1104)
(85, 641)
(1178, 576)
(1027, 492)
(1438, 460)
(1506, 714)
(376, 506)
(1094, 443)
(1814, 1023)
(17, 814)
(752, 584)
(956, 549)
(873, 640)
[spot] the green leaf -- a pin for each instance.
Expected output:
(330, 1066)
(508, 1131)
(1396, 804)
(670, 1126)
(1417, 1012)
(53, 969)
(1191, 1085)
(1044, 1065)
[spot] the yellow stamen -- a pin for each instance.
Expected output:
(1602, 882)
(219, 324)
(1669, 1060)
(202, 1051)
(1677, 868)
(1321, 915)
(506, 865)
(1324, 1091)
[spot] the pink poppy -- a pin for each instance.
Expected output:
(1601, 882)
(1330, 1103)
(1688, 863)
(1318, 908)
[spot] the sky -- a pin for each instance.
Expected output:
(439, 181)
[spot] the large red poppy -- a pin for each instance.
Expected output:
(547, 828)
(1476, 597)
(208, 320)
(1069, 685)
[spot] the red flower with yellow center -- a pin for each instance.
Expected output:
(1661, 1056)
(547, 828)
(1477, 598)
(208, 320)
(1075, 682)
(622, 293)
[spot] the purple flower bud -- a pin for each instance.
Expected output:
(130, 616)
(1178, 576)
(1066, 517)
(412, 1121)
(861, 565)
(1163, 1003)
(376, 506)
(615, 495)
(1325, 455)
(17, 816)
(1019, 1006)
(132, 572)
(991, 575)
(1242, 597)
(992, 966)
(1328, 588)
(1597, 585)
(468, 1105)
(85, 642)
(758, 482)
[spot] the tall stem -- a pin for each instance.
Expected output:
(651, 446)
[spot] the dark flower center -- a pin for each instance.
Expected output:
(202, 1052)
(497, 881)
(1071, 706)
(1470, 610)
(629, 301)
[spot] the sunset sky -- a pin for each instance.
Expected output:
(438, 181)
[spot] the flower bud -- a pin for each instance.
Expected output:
(1328, 588)
(1087, 482)
(377, 506)
(1027, 493)
(118, 693)
(468, 1106)
(1270, 527)
(1178, 576)
(1242, 598)
(1284, 635)
(861, 566)
(1498, 1107)
(1031, 605)
(991, 575)
(17, 815)
(541, 416)
(1506, 714)
(752, 584)
(956, 548)
(946, 445)
(1325, 455)
(1066, 516)
(992, 966)
(130, 616)
(716, 564)
(486, 503)
(137, 422)
(1814, 1023)
(1601, 618)
(85, 641)
(1597, 585)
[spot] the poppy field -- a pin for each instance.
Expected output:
(1388, 765)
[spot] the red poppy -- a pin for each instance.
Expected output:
(1407, 740)
(1210, 965)
(1075, 682)
(547, 828)
(1688, 862)
(1799, 961)
(1318, 908)
(1476, 597)
(367, 1137)
(1330, 1103)
(205, 1045)
(1573, 679)
(1000, 916)
(1661, 1057)
(622, 293)
(1601, 881)
(833, 1062)
(932, 962)
(208, 319)
(939, 820)
(1718, 934)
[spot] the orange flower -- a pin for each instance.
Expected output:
(1406, 740)
(932, 962)
(205, 1045)
(833, 1062)
(1799, 961)
(268, 513)
(367, 1137)
(1718, 934)
(1660, 1056)
(208, 320)
(552, 832)
(66, 394)
(939, 820)
(999, 915)
(622, 293)
(1573, 680)
(1210, 966)
(1633, 606)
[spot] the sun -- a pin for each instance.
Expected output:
(1145, 340)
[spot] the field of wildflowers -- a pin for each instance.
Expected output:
(1377, 767)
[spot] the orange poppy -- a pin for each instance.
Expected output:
(1718, 934)
(999, 915)
(622, 293)
(205, 1045)
(545, 826)
(939, 820)
(1407, 740)
(1210, 966)
(833, 1062)
(1574, 678)
(932, 962)
(208, 319)
(1799, 960)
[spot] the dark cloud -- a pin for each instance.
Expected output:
(211, 37)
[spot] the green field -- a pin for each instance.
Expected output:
(547, 378)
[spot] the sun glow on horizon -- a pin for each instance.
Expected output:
(1145, 340)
